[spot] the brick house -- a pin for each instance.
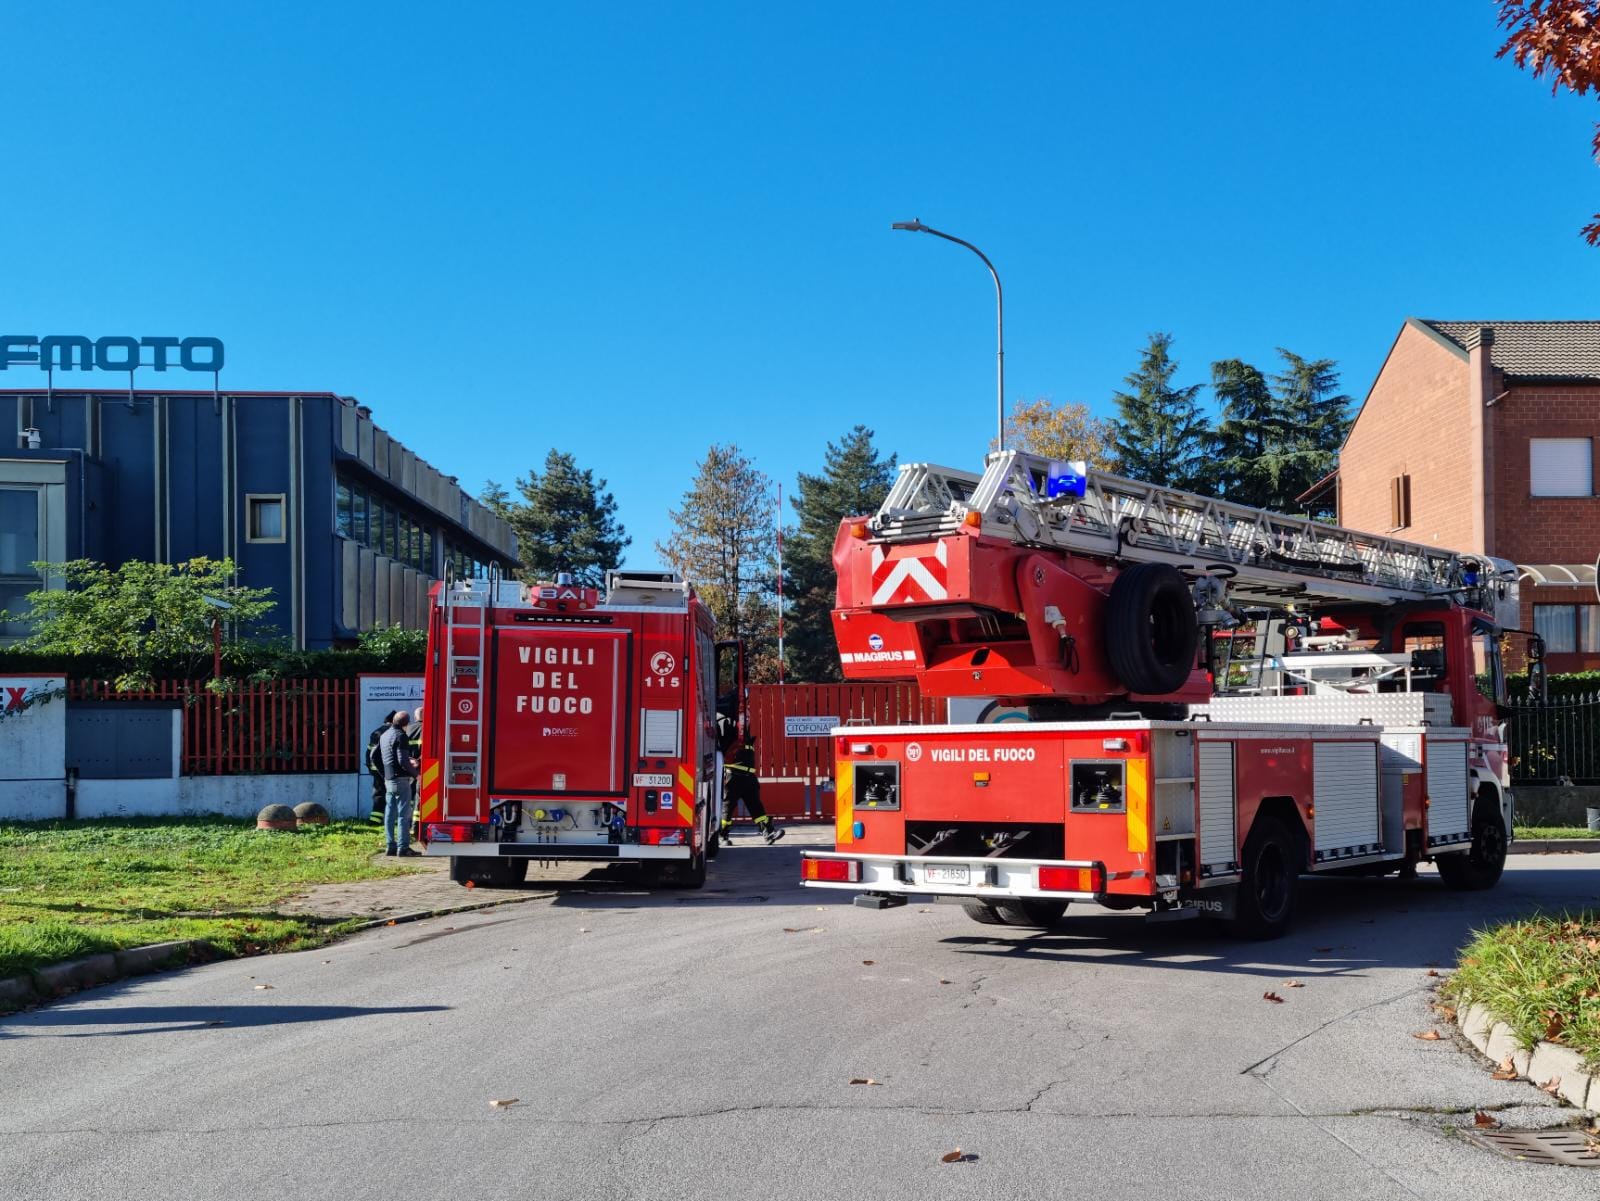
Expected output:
(1479, 436)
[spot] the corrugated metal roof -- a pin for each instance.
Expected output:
(1532, 349)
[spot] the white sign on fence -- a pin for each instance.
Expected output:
(381, 695)
(809, 727)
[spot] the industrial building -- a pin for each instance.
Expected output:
(302, 490)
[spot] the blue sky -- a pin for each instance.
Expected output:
(630, 230)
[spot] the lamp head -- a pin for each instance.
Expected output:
(915, 225)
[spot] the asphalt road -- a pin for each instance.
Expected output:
(702, 1045)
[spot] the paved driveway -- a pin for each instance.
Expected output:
(702, 1045)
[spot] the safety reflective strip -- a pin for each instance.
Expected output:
(686, 780)
(844, 808)
(1138, 804)
(686, 811)
(739, 767)
(428, 798)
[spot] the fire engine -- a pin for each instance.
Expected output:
(560, 725)
(1167, 701)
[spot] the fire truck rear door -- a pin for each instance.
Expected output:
(560, 711)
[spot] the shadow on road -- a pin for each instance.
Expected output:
(161, 1019)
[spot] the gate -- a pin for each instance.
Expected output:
(794, 757)
(1555, 741)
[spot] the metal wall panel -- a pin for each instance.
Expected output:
(1217, 808)
(375, 584)
(1449, 809)
(1329, 709)
(1345, 788)
(120, 740)
(397, 593)
(349, 584)
(380, 451)
(408, 471)
(348, 439)
(364, 431)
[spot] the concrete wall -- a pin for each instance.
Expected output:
(33, 747)
(1555, 806)
(231, 796)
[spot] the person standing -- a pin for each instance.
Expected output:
(741, 783)
(399, 771)
(375, 766)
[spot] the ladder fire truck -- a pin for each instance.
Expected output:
(1178, 703)
(560, 725)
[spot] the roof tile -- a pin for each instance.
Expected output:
(1533, 349)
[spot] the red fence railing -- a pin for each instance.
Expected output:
(284, 726)
(797, 773)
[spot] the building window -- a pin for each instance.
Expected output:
(264, 518)
(1568, 629)
(343, 518)
(1400, 502)
(1560, 466)
(19, 548)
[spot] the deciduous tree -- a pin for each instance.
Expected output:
(724, 541)
(1061, 431)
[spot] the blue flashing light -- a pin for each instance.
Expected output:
(858, 829)
(1067, 479)
(1469, 577)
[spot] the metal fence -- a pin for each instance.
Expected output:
(797, 772)
(283, 726)
(1556, 740)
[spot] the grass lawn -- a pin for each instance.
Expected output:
(1554, 832)
(1541, 977)
(71, 889)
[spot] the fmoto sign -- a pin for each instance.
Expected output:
(67, 352)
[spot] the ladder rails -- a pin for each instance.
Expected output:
(466, 606)
(1267, 558)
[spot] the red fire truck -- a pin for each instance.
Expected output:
(1167, 701)
(560, 725)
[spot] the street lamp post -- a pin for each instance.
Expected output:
(916, 226)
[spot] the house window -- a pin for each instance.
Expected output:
(264, 518)
(1560, 466)
(1568, 629)
(1400, 502)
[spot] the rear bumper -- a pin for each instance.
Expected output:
(599, 853)
(987, 879)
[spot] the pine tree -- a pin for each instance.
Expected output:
(1315, 417)
(1161, 433)
(724, 542)
(853, 483)
(1248, 441)
(565, 521)
(1063, 432)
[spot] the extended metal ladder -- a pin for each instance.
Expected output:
(466, 606)
(1268, 558)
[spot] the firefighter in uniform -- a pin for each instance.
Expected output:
(740, 783)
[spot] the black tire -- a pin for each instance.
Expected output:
(674, 875)
(488, 871)
(1151, 633)
(1268, 878)
(1028, 913)
(1480, 867)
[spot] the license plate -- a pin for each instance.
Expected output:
(946, 874)
(642, 780)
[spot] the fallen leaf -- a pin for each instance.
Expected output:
(259, 987)
(944, 982)
(924, 911)
(868, 962)
(1428, 1036)
(1503, 1073)
(1432, 972)
(1446, 1012)
(327, 961)
(390, 922)
(498, 1104)
(583, 929)
(1555, 1023)
(1293, 984)
(1551, 1086)
(951, 1156)
(1273, 997)
(864, 1080)
(1484, 1120)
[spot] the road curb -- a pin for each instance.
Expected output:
(1543, 846)
(1540, 1065)
(72, 975)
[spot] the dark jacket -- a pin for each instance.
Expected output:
(395, 752)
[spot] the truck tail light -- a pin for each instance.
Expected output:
(663, 838)
(1071, 879)
(447, 832)
(835, 871)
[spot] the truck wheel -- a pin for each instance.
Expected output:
(1027, 913)
(1267, 881)
(1151, 633)
(674, 875)
(1480, 867)
(488, 871)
